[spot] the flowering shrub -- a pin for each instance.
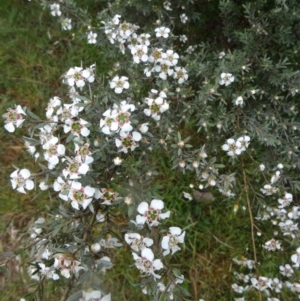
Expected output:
(222, 106)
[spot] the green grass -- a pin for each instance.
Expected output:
(33, 56)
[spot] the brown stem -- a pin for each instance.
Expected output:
(251, 219)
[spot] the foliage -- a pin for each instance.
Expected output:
(212, 110)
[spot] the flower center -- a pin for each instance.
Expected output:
(152, 214)
(155, 108)
(127, 142)
(76, 127)
(74, 167)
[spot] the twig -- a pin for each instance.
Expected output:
(67, 290)
(251, 218)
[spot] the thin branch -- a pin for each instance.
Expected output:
(251, 218)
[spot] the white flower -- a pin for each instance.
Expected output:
(20, 180)
(117, 161)
(171, 241)
(43, 186)
(80, 195)
(232, 147)
(146, 263)
(53, 151)
(162, 32)
(244, 141)
(151, 214)
(268, 189)
(96, 247)
(261, 284)
(108, 195)
(157, 105)
(239, 101)
(67, 264)
(286, 270)
(190, 49)
(92, 38)
(157, 56)
(221, 54)
(47, 272)
(138, 242)
(183, 18)
(238, 289)
(77, 127)
(110, 243)
(180, 74)
(94, 296)
(280, 165)
(63, 187)
(84, 152)
(128, 141)
(55, 9)
(294, 213)
(167, 5)
(187, 196)
(262, 167)
(296, 258)
(53, 104)
(143, 128)
(286, 200)
(276, 285)
(171, 57)
(139, 53)
(183, 38)
(75, 76)
(66, 24)
(13, 118)
(119, 84)
(272, 245)
(275, 177)
(164, 69)
(76, 168)
(226, 79)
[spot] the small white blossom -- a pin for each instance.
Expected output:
(239, 101)
(221, 55)
(146, 263)
(66, 24)
(81, 196)
(286, 200)
(183, 38)
(187, 196)
(55, 9)
(180, 74)
(117, 161)
(183, 18)
(151, 213)
(170, 242)
(13, 118)
(262, 167)
(94, 296)
(162, 32)
(20, 180)
(286, 270)
(119, 83)
(138, 242)
(272, 245)
(226, 79)
(92, 37)
(296, 258)
(261, 284)
(128, 141)
(67, 264)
